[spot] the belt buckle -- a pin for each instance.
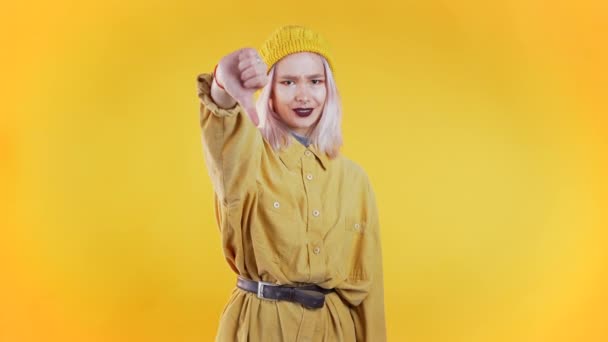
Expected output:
(261, 285)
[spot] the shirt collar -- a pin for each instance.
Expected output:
(291, 154)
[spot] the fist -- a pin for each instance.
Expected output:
(242, 73)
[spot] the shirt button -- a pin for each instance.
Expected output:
(309, 176)
(315, 213)
(357, 226)
(276, 204)
(307, 153)
(317, 250)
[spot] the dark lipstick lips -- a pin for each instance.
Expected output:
(302, 112)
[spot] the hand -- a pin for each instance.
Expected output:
(241, 73)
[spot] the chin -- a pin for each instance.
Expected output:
(296, 122)
(303, 124)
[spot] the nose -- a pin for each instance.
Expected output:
(302, 94)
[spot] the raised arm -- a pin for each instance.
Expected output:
(232, 144)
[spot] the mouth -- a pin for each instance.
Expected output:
(303, 112)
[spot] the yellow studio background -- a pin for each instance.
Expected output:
(482, 126)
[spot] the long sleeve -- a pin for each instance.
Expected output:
(369, 316)
(232, 145)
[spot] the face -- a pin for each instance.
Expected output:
(299, 91)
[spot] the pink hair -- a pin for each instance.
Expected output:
(327, 133)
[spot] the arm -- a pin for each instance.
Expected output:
(369, 316)
(232, 145)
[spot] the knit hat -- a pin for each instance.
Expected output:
(291, 39)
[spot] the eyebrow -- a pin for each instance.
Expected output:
(291, 77)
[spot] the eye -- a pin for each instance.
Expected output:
(283, 82)
(317, 81)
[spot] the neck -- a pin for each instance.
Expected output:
(301, 138)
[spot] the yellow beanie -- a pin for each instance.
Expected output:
(291, 39)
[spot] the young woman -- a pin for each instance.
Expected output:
(298, 221)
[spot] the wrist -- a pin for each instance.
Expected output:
(215, 79)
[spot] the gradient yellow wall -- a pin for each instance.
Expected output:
(482, 126)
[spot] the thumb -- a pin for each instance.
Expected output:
(249, 106)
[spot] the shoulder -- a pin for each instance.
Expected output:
(352, 171)
(351, 166)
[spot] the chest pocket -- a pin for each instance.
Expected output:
(355, 225)
(278, 224)
(275, 205)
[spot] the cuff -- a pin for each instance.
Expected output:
(204, 94)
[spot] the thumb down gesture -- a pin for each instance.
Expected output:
(241, 73)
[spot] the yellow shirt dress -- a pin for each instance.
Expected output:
(288, 217)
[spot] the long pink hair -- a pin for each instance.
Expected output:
(327, 133)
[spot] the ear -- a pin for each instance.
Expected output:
(271, 104)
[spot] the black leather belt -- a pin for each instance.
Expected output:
(310, 295)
